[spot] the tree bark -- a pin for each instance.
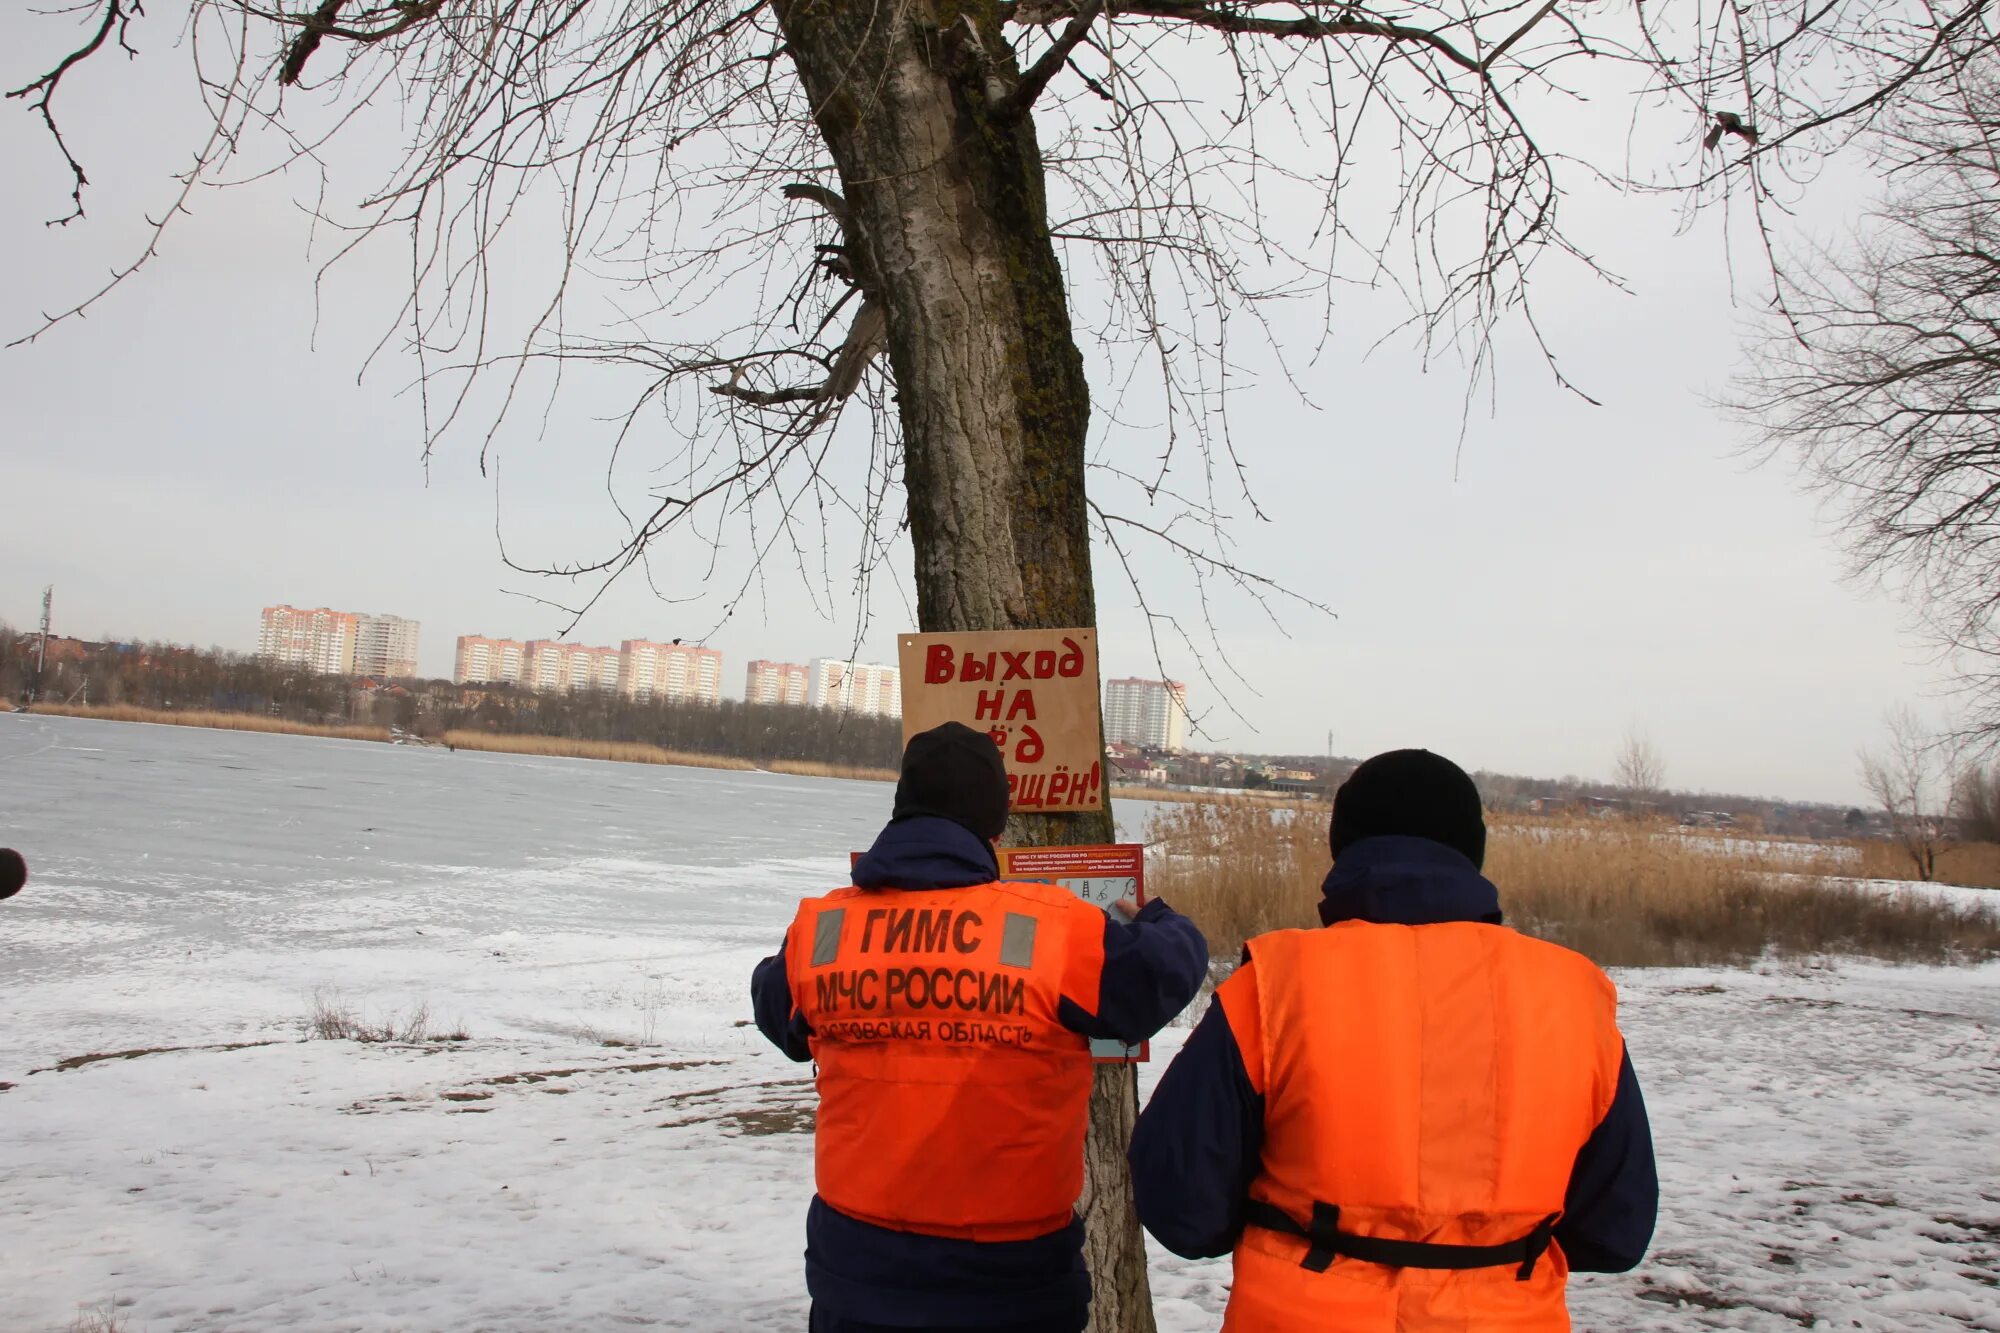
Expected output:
(948, 212)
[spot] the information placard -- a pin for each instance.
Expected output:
(1104, 875)
(1034, 691)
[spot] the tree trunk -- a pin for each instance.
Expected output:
(948, 215)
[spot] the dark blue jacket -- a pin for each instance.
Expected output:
(1198, 1143)
(867, 1273)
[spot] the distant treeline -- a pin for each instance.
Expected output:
(173, 677)
(160, 675)
(762, 733)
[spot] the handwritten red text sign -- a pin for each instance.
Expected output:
(1034, 691)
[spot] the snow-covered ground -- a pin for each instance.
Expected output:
(615, 1147)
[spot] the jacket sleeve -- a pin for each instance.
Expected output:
(1199, 1143)
(1152, 967)
(777, 1017)
(1614, 1190)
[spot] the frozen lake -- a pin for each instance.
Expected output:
(614, 1147)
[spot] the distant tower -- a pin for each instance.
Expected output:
(42, 651)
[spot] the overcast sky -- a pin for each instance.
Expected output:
(200, 448)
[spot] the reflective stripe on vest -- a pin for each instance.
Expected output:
(1427, 1089)
(952, 1100)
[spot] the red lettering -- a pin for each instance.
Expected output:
(989, 705)
(1017, 665)
(1033, 787)
(1072, 661)
(937, 664)
(1045, 664)
(1029, 751)
(1024, 702)
(973, 668)
(1059, 786)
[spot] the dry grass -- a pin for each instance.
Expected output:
(209, 718)
(624, 752)
(638, 752)
(333, 1019)
(1173, 796)
(1628, 895)
(809, 768)
(100, 1318)
(1973, 863)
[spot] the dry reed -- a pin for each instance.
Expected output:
(1973, 863)
(1628, 895)
(560, 747)
(221, 721)
(811, 768)
(1178, 797)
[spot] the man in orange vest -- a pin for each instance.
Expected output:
(1413, 1119)
(949, 1014)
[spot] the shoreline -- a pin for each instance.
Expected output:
(554, 747)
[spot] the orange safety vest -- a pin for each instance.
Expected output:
(1429, 1084)
(952, 1099)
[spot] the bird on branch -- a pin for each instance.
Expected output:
(1728, 122)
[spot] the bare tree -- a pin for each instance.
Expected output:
(1911, 781)
(768, 215)
(1640, 768)
(1975, 802)
(1882, 383)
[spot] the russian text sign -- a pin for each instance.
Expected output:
(1034, 691)
(1104, 875)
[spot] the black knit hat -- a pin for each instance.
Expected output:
(956, 773)
(1413, 793)
(13, 872)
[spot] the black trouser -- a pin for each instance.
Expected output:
(825, 1322)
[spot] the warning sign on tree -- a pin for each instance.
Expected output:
(1034, 691)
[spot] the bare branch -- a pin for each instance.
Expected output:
(117, 17)
(1017, 102)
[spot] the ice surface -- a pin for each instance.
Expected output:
(1828, 1136)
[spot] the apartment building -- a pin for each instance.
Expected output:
(862, 687)
(649, 670)
(1149, 713)
(776, 683)
(552, 665)
(319, 639)
(385, 647)
(484, 661)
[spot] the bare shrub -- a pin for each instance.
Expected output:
(100, 1318)
(1625, 894)
(1912, 783)
(333, 1019)
(1639, 767)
